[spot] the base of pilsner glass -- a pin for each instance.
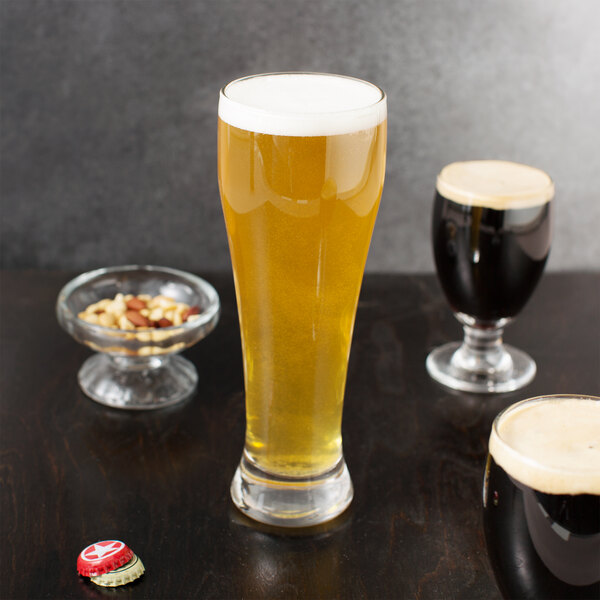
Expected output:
(289, 502)
(450, 366)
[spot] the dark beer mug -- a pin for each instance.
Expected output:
(491, 234)
(541, 498)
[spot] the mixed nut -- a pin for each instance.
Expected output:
(141, 312)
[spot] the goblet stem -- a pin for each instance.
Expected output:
(482, 351)
(481, 362)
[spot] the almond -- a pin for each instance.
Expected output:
(192, 310)
(164, 323)
(136, 304)
(137, 319)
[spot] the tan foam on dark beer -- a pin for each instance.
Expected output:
(551, 445)
(495, 184)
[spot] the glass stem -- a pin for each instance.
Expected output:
(482, 350)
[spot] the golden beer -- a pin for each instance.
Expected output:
(299, 211)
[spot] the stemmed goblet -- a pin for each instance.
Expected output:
(491, 233)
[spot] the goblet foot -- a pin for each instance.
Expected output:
(291, 502)
(137, 383)
(453, 366)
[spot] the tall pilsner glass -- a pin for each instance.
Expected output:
(301, 169)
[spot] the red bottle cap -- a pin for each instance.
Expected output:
(102, 557)
(129, 572)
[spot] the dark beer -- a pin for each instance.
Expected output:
(541, 507)
(490, 248)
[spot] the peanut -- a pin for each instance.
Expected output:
(128, 311)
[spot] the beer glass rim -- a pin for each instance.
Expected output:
(382, 98)
(458, 191)
(288, 114)
(506, 446)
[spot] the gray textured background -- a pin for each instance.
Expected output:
(108, 115)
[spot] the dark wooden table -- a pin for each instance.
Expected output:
(74, 472)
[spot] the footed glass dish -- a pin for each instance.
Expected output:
(137, 369)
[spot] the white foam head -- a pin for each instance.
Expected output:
(302, 104)
(497, 184)
(551, 444)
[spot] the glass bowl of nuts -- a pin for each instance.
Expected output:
(138, 318)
